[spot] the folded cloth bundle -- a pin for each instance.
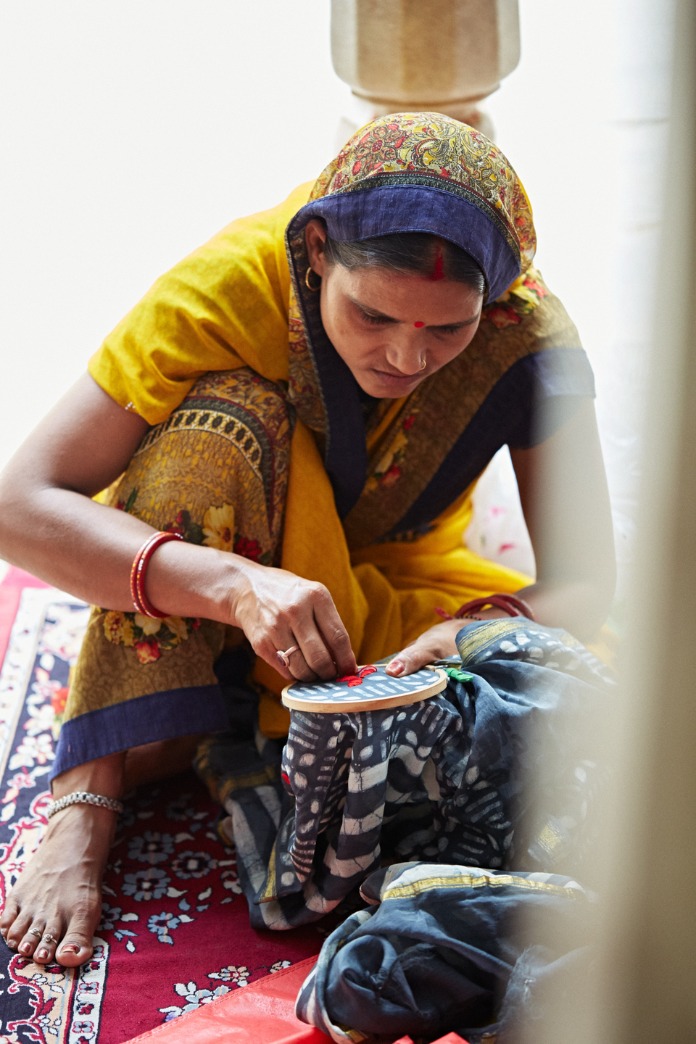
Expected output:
(450, 948)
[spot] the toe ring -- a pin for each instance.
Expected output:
(36, 932)
(48, 938)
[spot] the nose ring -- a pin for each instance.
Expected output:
(422, 364)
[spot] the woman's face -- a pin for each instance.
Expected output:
(393, 329)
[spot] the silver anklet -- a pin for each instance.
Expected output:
(83, 797)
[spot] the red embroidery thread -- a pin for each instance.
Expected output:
(357, 679)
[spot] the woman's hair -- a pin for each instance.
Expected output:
(418, 252)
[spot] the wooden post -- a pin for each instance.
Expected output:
(407, 55)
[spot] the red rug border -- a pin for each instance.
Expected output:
(11, 586)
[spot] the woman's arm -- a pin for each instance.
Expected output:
(50, 526)
(565, 501)
(48, 523)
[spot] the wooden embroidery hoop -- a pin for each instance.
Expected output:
(367, 694)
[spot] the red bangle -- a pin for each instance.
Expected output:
(510, 604)
(139, 569)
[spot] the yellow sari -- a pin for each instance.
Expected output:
(382, 488)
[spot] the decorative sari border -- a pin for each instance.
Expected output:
(546, 375)
(143, 719)
(432, 878)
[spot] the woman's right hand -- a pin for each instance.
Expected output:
(50, 526)
(278, 610)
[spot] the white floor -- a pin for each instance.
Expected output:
(131, 132)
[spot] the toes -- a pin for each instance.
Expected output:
(43, 941)
(30, 941)
(10, 941)
(69, 949)
(48, 944)
(8, 921)
(18, 938)
(8, 916)
(74, 950)
(22, 933)
(45, 948)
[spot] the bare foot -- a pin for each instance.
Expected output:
(54, 908)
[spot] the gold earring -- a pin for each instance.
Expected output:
(312, 287)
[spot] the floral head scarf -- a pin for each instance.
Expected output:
(424, 172)
(410, 172)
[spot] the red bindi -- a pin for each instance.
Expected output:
(418, 323)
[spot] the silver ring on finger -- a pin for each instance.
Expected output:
(284, 655)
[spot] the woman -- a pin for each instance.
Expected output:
(307, 402)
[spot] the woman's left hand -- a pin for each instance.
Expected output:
(437, 643)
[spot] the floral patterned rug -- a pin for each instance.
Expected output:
(174, 933)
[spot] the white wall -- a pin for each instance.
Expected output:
(131, 130)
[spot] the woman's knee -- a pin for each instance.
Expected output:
(216, 469)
